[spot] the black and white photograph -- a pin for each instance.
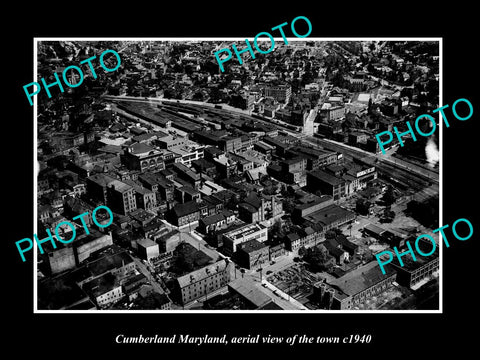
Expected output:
(262, 187)
(225, 180)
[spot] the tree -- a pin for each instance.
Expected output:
(362, 206)
(302, 251)
(332, 233)
(198, 96)
(388, 216)
(389, 196)
(319, 259)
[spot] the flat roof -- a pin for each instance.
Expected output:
(146, 243)
(251, 246)
(361, 278)
(202, 273)
(255, 296)
(328, 215)
(245, 230)
(326, 177)
(119, 186)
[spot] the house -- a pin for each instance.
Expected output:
(335, 250)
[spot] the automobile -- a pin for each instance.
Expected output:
(272, 262)
(269, 272)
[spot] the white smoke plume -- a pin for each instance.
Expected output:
(432, 153)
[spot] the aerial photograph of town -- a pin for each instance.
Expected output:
(262, 187)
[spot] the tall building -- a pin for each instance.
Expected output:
(146, 199)
(97, 186)
(121, 197)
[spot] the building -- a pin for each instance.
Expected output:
(233, 238)
(97, 186)
(187, 174)
(355, 138)
(121, 197)
(335, 249)
(256, 298)
(202, 282)
(71, 255)
(356, 177)
(186, 193)
(353, 288)
(280, 93)
(331, 216)
(276, 251)
(292, 171)
(311, 204)
(412, 272)
(252, 254)
(112, 260)
(264, 148)
(145, 198)
(132, 284)
(230, 143)
(184, 214)
(147, 249)
(331, 112)
(169, 241)
(143, 157)
(216, 222)
(203, 166)
(188, 152)
(304, 237)
(316, 158)
(104, 290)
(328, 184)
(256, 208)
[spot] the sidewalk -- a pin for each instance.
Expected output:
(295, 303)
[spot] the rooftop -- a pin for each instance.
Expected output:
(142, 149)
(186, 208)
(245, 230)
(251, 246)
(101, 285)
(375, 229)
(119, 186)
(252, 294)
(202, 273)
(361, 278)
(326, 177)
(146, 243)
(329, 215)
(213, 219)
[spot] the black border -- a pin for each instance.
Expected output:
(94, 335)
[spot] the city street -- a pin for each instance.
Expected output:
(144, 270)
